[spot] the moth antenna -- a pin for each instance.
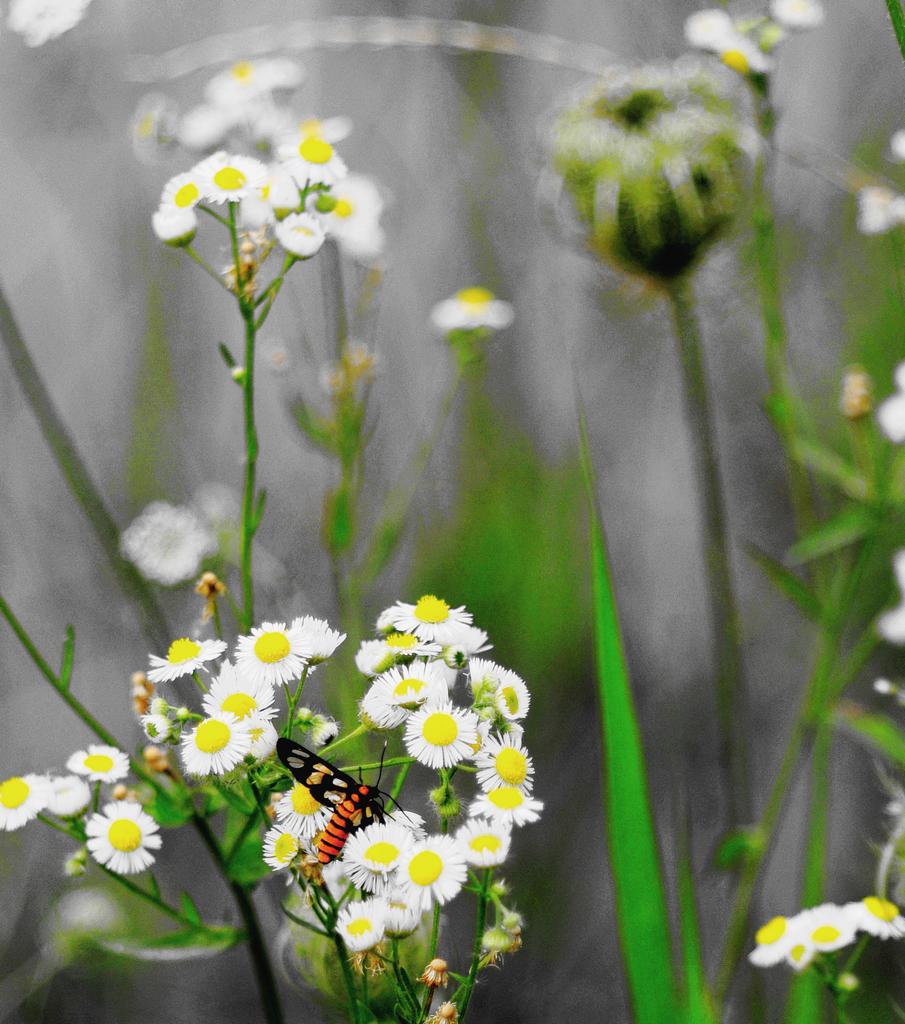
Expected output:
(380, 772)
(390, 796)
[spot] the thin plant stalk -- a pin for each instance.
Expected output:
(76, 475)
(480, 922)
(720, 591)
(897, 17)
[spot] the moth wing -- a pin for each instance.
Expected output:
(325, 781)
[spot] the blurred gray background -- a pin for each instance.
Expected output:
(455, 138)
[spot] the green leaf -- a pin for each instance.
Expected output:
(170, 807)
(845, 528)
(187, 944)
(68, 655)
(736, 848)
(259, 507)
(247, 864)
(698, 1005)
(188, 908)
(878, 731)
(787, 583)
(317, 429)
(642, 918)
(226, 356)
(831, 466)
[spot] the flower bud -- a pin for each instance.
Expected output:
(856, 400)
(76, 865)
(435, 975)
(325, 203)
(174, 226)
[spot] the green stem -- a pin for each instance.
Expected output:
(359, 730)
(390, 762)
(77, 477)
(480, 922)
(292, 699)
(272, 291)
(248, 525)
(897, 17)
(400, 780)
(205, 266)
(723, 609)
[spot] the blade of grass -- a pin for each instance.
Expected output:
(698, 1005)
(897, 17)
(641, 913)
(77, 477)
(880, 733)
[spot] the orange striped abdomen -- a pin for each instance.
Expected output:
(342, 821)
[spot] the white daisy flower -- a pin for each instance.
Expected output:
(394, 694)
(879, 210)
(313, 161)
(372, 855)
(506, 803)
(432, 869)
(281, 847)
(403, 916)
(216, 745)
(471, 309)
(239, 695)
(167, 543)
(362, 924)
(878, 917)
(250, 80)
(174, 227)
(299, 811)
(272, 653)
(263, 736)
(204, 127)
(39, 21)
(225, 177)
(431, 619)
(441, 735)
(156, 727)
(100, 763)
(281, 193)
(797, 13)
(69, 795)
(891, 624)
(330, 129)
(485, 843)
(891, 412)
(897, 146)
(254, 212)
(825, 928)
(323, 730)
(22, 798)
(775, 941)
(184, 656)
(351, 214)
(470, 641)
(320, 638)
(181, 192)
(121, 837)
(376, 656)
(510, 692)
(709, 29)
(503, 761)
(300, 234)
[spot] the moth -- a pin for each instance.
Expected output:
(355, 805)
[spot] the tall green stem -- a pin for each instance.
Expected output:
(897, 17)
(721, 596)
(480, 922)
(79, 480)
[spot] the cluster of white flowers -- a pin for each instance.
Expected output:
(239, 704)
(798, 940)
(303, 195)
(120, 837)
(880, 208)
(413, 667)
(746, 45)
(167, 543)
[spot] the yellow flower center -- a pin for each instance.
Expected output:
(285, 848)
(883, 909)
(771, 932)
(186, 195)
(382, 853)
(124, 835)
(183, 650)
(146, 126)
(825, 933)
(507, 798)
(360, 926)
(302, 800)
(211, 736)
(401, 641)
(475, 296)
(243, 71)
(315, 150)
(409, 687)
(271, 647)
(301, 229)
(431, 609)
(425, 867)
(440, 729)
(797, 952)
(239, 704)
(510, 699)
(98, 762)
(13, 793)
(229, 178)
(736, 60)
(343, 208)
(487, 843)
(511, 766)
